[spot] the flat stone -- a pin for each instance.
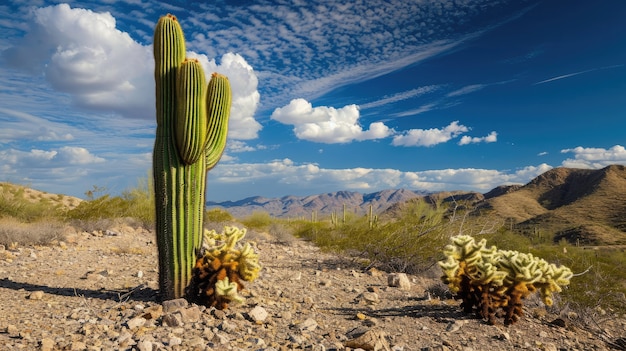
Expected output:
(36, 295)
(174, 305)
(399, 280)
(258, 314)
(309, 325)
(136, 322)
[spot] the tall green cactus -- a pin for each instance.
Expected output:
(192, 124)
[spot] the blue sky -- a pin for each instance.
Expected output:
(368, 95)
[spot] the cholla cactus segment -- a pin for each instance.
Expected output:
(228, 290)
(223, 264)
(487, 278)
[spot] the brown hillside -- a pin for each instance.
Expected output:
(11, 191)
(575, 204)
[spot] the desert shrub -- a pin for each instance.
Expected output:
(280, 233)
(257, 220)
(217, 215)
(14, 231)
(411, 243)
(14, 205)
(137, 202)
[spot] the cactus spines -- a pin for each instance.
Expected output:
(487, 279)
(218, 101)
(184, 130)
(222, 266)
(191, 119)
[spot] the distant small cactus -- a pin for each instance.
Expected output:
(489, 280)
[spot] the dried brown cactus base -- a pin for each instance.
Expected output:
(205, 275)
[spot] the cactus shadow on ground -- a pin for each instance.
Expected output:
(139, 293)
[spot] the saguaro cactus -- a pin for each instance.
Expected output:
(192, 123)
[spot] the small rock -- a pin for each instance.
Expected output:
(78, 346)
(174, 340)
(172, 320)
(46, 344)
(548, 347)
(370, 297)
(135, 323)
(453, 327)
(144, 345)
(190, 315)
(153, 312)
(309, 325)
(361, 316)
(11, 330)
(170, 306)
(258, 314)
(399, 280)
(140, 274)
(372, 340)
(36, 295)
(375, 272)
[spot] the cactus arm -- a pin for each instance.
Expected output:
(218, 102)
(191, 119)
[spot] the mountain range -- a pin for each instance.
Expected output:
(579, 205)
(320, 205)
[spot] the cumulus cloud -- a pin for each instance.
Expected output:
(491, 138)
(36, 158)
(429, 137)
(245, 96)
(82, 53)
(594, 158)
(328, 125)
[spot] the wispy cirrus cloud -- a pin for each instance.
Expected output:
(577, 73)
(318, 46)
(405, 95)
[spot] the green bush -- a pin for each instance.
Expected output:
(410, 243)
(14, 205)
(217, 215)
(258, 220)
(137, 203)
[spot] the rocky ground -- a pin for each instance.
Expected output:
(97, 291)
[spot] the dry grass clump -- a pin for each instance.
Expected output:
(15, 232)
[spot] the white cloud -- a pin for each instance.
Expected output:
(36, 158)
(240, 180)
(594, 158)
(82, 53)
(245, 96)
(328, 125)
(491, 138)
(429, 137)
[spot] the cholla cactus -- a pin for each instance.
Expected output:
(223, 264)
(487, 279)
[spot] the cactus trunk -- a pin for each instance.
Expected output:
(180, 157)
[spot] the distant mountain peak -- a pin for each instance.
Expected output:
(322, 204)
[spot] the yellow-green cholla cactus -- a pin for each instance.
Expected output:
(223, 264)
(487, 279)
